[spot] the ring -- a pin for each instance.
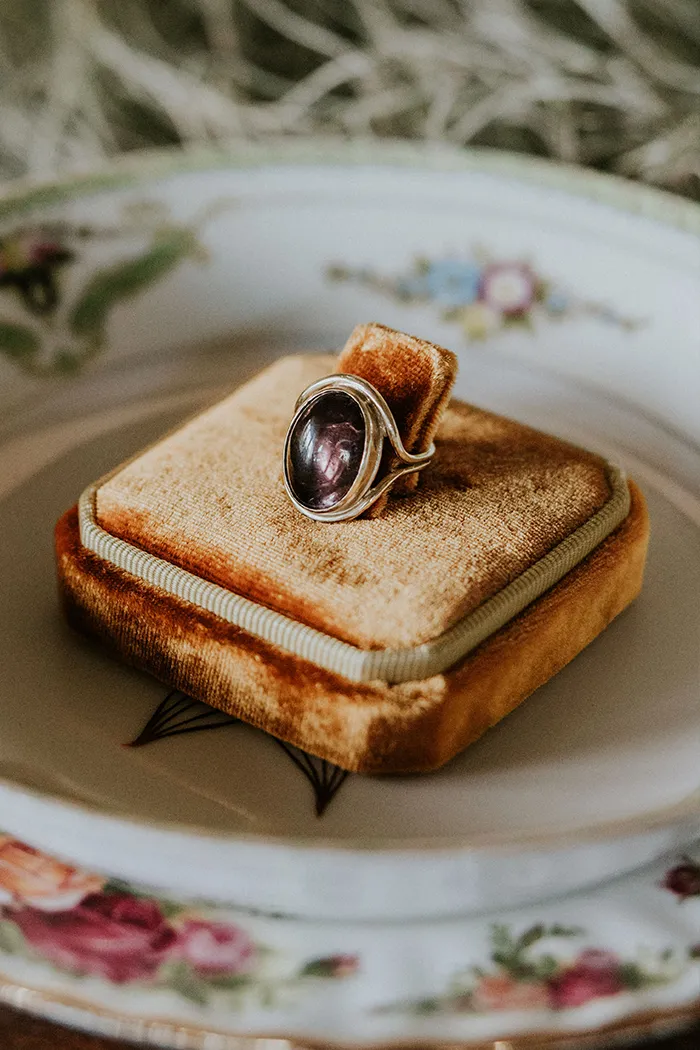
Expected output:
(335, 447)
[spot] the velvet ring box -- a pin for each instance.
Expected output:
(386, 644)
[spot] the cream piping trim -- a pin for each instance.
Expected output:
(361, 665)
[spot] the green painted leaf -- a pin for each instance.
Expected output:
(119, 886)
(17, 341)
(632, 976)
(125, 279)
(546, 967)
(337, 272)
(531, 936)
(317, 968)
(501, 937)
(542, 289)
(564, 931)
(231, 982)
(67, 362)
(267, 996)
(185, 983)
(11, 939)
(170, 909)
(424, 1007)
(523, 320)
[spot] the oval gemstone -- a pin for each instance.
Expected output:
(325, 450)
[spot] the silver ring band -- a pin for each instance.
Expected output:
(357, 485)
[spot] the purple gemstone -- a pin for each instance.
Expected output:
(325, 450)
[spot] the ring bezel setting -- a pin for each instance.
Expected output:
(380, 427)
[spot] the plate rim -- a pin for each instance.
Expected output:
(26, 194)
(151, 1031)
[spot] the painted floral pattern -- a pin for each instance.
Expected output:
(30, 261)
(55, 303)
(530, 971)
(86, 926)
(482, 294)
(684, 879)
(83, 925)
(29, 878)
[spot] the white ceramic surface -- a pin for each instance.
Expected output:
(155, 291)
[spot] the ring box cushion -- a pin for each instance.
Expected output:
(210, 498)
(496, 500)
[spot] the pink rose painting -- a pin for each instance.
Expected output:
(524, 975)
(594, 974)
(508, 288)
(683, 879)
(495, 992)
(87, 927)
(214, 949)
(110, 935)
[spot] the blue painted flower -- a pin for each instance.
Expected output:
(453, 283)
(557, 301)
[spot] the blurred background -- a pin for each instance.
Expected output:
(613, 84)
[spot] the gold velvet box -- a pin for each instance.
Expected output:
(386, 644)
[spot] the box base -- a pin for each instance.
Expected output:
(371, 727)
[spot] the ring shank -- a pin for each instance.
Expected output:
(380, 426)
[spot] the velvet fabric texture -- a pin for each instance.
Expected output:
(496, 498)
(367, 728)
(414, 376)
(210, 498)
